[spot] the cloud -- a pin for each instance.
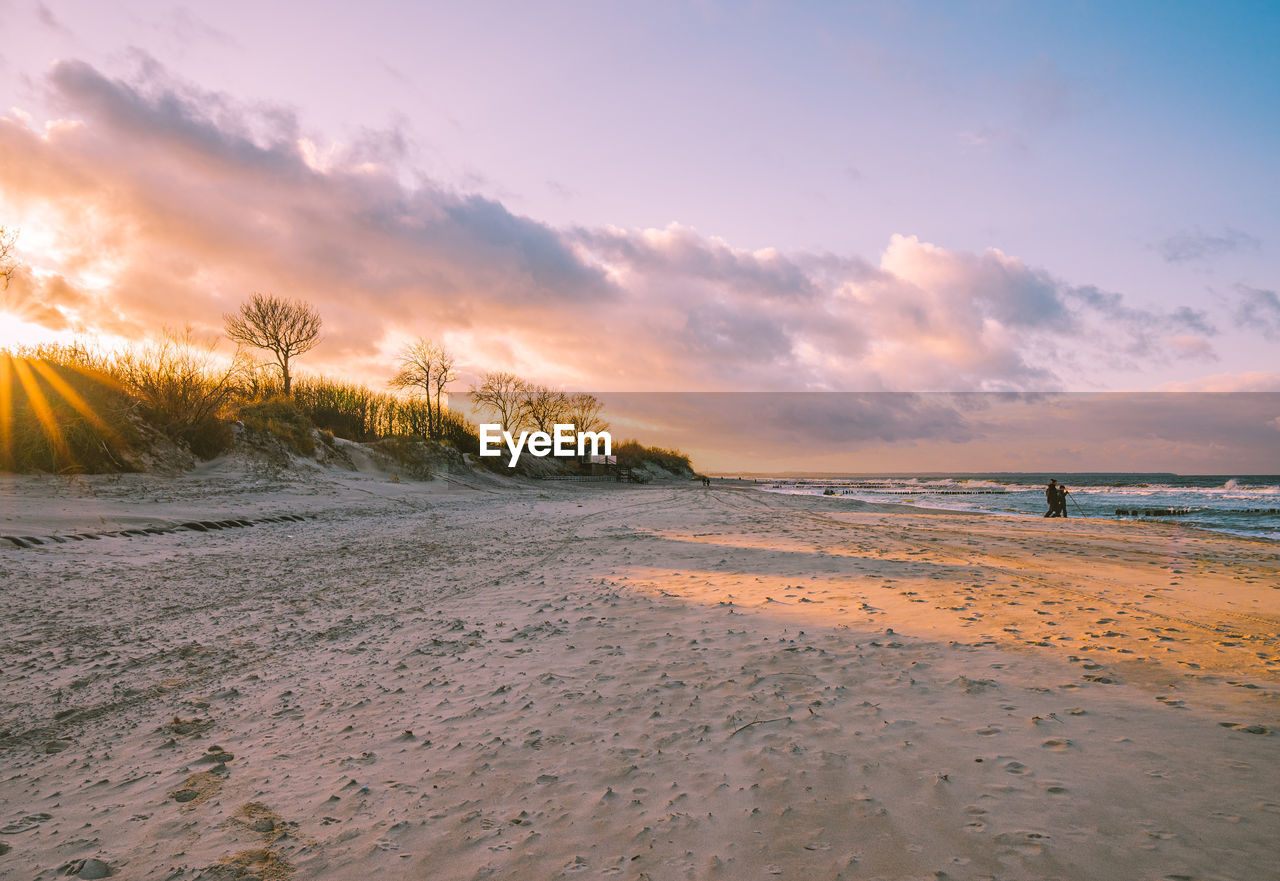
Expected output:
(188, 28)
(983, 136)
(1251, 381)
(47, 301)
(191, 201)
(867, 432)
(1199, 246)
(780, 421)
(46, 17)
(1134, 336)
(163, 204)
(1259, 310)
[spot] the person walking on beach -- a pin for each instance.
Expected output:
(1051, 496)
(1062, 500)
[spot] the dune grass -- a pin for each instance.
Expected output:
(632, 453)
(62, 411)
(72, 409)
(181, 391)
(283, 419)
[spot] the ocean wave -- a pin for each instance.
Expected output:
(1227, 506)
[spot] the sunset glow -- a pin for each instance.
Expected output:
(940, 199)
(16, 333)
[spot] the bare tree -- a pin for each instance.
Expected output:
(501, 394)
(444, 374)
(585, 412)
(427, 367)
(543, 407)
(286, 328)
(8, 263)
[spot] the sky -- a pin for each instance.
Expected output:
(779, 433)
(667, 196)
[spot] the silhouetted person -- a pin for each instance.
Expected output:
(1051, 496)
(1062, 500)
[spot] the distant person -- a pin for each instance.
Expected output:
(1062, 500)
(1051, 496)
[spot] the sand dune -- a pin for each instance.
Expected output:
(467, 680)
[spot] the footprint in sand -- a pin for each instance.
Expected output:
(258, 818)
(199, 788)
(246, 864)
(1025, 843)
(975, 824)
(1247, 729)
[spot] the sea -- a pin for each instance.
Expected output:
(1238, 504)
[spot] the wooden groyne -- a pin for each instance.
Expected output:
(1182, 512)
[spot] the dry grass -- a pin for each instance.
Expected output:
(62, 411)
(632, 453)
(181, 390)
(282, 418)
(70, 409)
(357, 413)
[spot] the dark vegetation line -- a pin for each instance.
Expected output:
(71, 409)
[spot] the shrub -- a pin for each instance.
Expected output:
(282, 418)
(633, 454)
(349, 411)
(459, 432)
(180, 392)
(357, 413)
(360, 414)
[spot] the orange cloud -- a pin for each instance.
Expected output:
(168, 205)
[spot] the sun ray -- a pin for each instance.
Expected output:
(6, 410)
(40, 406)
(72, 397)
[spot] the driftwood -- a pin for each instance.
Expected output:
(760, 722)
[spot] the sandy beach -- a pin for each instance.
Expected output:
(474, 678)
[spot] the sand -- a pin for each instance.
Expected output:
(478, 678)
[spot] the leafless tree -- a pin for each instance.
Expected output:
(444, 374)
(543, 407)
(501, 394)
(286, 328)
(8, 263)
(427, 367)
(585, 412)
